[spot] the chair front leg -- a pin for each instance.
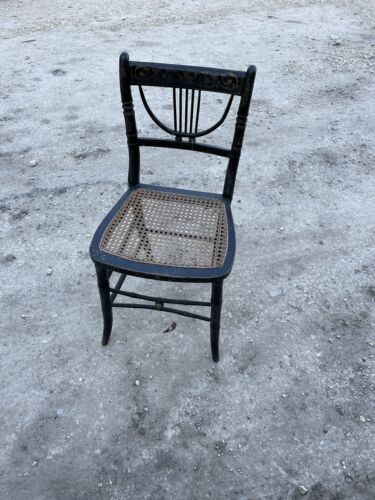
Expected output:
(105, 299)
(216, 301)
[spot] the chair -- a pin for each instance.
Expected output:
(170, 234)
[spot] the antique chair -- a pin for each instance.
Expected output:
(170, 234)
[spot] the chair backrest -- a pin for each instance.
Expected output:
(187, 84)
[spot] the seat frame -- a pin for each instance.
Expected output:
(191, 79)
(162, 271)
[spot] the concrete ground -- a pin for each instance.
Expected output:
(289, 411)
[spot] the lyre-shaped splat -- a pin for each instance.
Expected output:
(185, 114)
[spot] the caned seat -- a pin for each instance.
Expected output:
(172, 229)
(163, 228)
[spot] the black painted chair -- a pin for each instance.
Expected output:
(172, 234)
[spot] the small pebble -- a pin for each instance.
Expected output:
(276, 292)
(302, 490)
(335, 41)
(33, 163)
(362, 419)
(49, 271)
(137, 383)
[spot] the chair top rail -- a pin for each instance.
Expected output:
(189, 77)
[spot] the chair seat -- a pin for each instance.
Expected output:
(153, 229)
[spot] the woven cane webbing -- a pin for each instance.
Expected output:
(172, 229)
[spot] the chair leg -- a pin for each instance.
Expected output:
(103, 284)
(216, 300)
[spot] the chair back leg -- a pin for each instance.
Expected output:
(105, 299)
(216, 301)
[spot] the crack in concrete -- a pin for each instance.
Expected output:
(57, 190)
